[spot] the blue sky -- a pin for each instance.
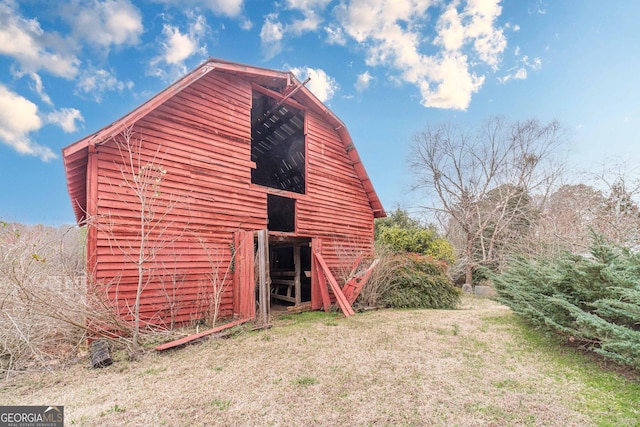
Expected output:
(387, 68)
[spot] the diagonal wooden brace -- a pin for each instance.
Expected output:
(352, 288)
(341, 300)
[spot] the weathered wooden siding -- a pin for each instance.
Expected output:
(337, 208)
(202, 138)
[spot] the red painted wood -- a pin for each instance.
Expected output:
(244, 281)
(340, 298)
(200, 132)
(354, 286)
(319, 290)
(194, 337)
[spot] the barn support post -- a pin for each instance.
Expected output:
(264, 279)
(297, 283)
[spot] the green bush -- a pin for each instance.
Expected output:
(402, 233)
(592, 299)
(421, 282)
(417, 240)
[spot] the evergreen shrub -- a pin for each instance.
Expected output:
(421, 282)
(590, 299)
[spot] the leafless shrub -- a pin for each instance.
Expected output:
(353, 261)
(48, 307)
(216, 283)
(380, 281)
(41, 295)
(170, 282)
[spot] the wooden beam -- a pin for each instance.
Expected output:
(264, 279)
(341, 300)
(194, 337)
(319, 291)
(278, 96)
(297, 282)
(352, 288)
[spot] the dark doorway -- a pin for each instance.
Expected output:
(290, 269)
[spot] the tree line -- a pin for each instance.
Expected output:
(502, 190)
(564, 256)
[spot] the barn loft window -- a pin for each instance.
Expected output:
(277, 145)
(281, 213)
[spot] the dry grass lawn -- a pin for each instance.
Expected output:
(465, 367)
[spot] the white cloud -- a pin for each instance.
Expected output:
(335, 35)
(451, 32)
(449, 84)
(310, 22)
(66, 119)
(225, 7)
(39, 88)
(539, 8)
(230, 8)
(18, 118)
(271, 35)
(512, 27)
(94, 82)
(363, 81)
(519, 72)
(536, 64)
(246, 24)
(515, 74)
(106, 22)
(179, 46)
(475, 25)
(392, 33)
(310, 9)
(274, 30)
(26, 42)
(307, 4)
(321, 84)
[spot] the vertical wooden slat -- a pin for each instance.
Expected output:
(92, 210)
(264, 279)
(298, 268)
(244, 283)
(319, 291)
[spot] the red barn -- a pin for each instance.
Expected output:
(173, 193)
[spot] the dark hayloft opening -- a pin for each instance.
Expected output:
(277, 145)
(281, 213)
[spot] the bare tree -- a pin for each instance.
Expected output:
(567, 218)
(141, 175)
(482, 179)
(619, 221)
(216, 282)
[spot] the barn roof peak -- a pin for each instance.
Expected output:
(279, 84)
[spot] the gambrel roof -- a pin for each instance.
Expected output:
(280, 85)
